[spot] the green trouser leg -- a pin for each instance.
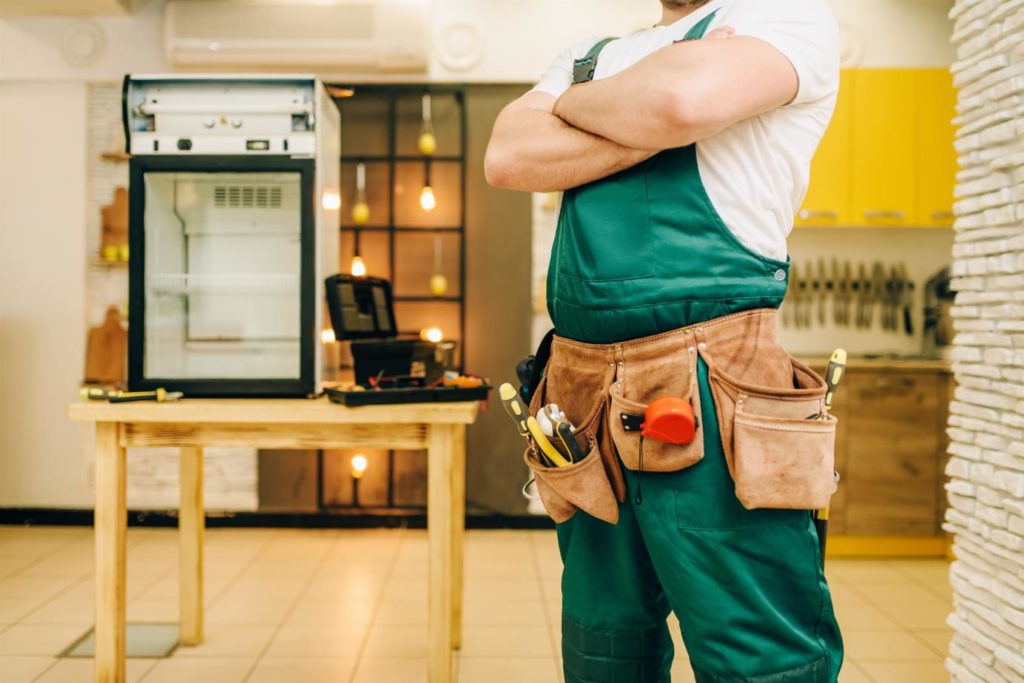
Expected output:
(746, 585)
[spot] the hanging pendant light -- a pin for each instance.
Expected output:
(360, 209)
(427, 142)
(358, 266)
(427, 199)
(438, 282)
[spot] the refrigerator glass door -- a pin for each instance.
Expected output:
(223, 256)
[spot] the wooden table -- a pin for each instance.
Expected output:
(192, 425)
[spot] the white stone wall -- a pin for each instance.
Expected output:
(986, 425)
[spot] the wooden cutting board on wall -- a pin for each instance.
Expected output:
(107, 351)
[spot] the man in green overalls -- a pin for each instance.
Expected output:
(683, 159)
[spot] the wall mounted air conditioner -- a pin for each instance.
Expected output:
(332, 35)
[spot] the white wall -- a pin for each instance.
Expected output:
(42, 270)
(44, 180)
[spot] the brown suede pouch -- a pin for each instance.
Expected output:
(778, 455)
(585, 485)
(665, 367)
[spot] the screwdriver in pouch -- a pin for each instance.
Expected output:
(833, 373)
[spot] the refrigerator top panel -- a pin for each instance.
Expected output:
(220, 115)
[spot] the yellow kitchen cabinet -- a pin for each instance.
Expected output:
(828, 197)
(936, 158)
(885, 107)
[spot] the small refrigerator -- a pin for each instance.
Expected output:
(233, 226)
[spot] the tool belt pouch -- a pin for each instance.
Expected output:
(584, 485)
(779, 454)
(659, 371)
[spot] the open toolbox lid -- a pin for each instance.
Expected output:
(361, 307)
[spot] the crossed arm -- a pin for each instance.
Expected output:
(679, 95)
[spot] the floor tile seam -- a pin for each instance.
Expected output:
(40, 559)
(44, 603)
(552, 634)
(863, 671)
(227, 585)
(392, 563)
(284, 618)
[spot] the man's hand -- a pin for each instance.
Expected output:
(683, 93)
(533, 150)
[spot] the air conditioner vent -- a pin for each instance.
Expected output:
(246, 197)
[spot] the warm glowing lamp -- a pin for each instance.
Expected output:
(358, 266)
(327, 336)
(359, 464)
(427, 199)
(331, 200)
(431, 334)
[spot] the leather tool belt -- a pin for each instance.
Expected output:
(778, 442)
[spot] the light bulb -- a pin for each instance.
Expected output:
(438, 285)
(431, 334)
(361, 213)
(331, 200)
(358, 266)
(427, 144)
(327, 336)
(359, 464)
(427, 199)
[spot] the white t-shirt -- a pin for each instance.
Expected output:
(755, 172)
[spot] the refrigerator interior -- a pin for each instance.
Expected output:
(222, 264)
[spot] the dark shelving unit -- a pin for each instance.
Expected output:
(395, 231)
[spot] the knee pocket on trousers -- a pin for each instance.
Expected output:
(602, 655)
(817, 671)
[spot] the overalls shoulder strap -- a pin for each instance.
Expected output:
(700, 28)
(583, 69)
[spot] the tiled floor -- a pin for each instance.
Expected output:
(309, 606)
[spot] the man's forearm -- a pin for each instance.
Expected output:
(682, 93)
(533, 150)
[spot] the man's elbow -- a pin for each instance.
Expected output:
(684, 112)
(498, 167)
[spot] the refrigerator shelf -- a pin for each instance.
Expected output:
(207, 283)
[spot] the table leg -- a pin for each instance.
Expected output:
(110, 521)
(458, 530)
(440, 456)
(191, 523)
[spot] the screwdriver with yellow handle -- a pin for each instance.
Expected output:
(528, 426)
(835, 371)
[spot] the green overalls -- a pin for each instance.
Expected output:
(637, 254)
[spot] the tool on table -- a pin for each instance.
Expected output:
(546, 447)
(158, 395)
(833, 374)
(514, 407)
